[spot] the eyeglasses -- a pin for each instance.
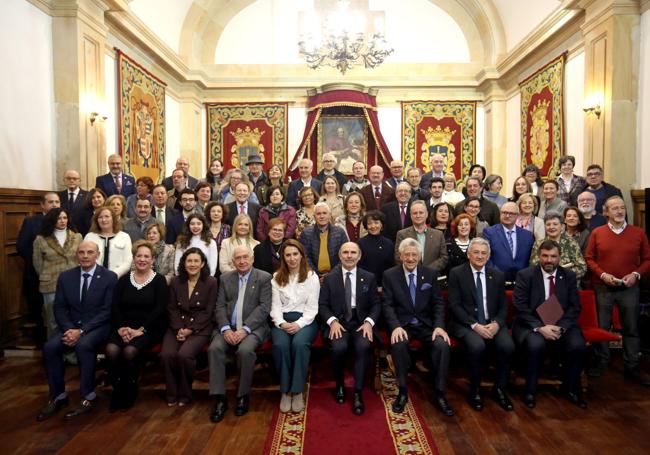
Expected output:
(593, 174)
(509, 213)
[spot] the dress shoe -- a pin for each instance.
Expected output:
(242, 405)
(576, 400)
(475, 401)
(339, 394)
(285, 403)
(84, 408)
(444, 407)
(297, 403)
(529, 400)
(52, 407)
(400, 403)
(357, 404)
(219, 410)
(500, 396)
(635, 374)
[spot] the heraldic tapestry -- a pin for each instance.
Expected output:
(445, 127)
(542, 118)
(236, 131)
(141, 119)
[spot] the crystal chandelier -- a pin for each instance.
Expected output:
(343, 43)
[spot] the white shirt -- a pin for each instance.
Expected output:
(75, 194)
(547, 283)
(415, 276)
(60, 235)
(353, 281)
(163, 215)
(484, 287)
(210, 252)
(616, 230)
(294, 296)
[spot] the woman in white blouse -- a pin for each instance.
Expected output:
(242, 234)
(114, 244)
(294, 307)
(196, 233)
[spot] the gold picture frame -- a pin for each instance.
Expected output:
(346, 136)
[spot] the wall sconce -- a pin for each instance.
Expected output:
(592, 106)
(95, 115)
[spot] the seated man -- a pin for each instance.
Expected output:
(477, 301)
(534, 286)
(242, 311)
(350, 305)
(322, 241)
(82, 309)
(413, 308)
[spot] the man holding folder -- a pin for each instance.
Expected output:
(547, 309)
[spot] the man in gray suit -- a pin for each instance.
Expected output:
(432, 241)
(242, 311)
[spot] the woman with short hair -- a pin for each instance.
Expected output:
(307, 198)
(377, 251)
(163, 253)
(527, 204)
(114, 244)
(491, 189)
(143, 188)
(117, 204)
(267, 253)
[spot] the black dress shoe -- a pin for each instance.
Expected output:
(242, 405)
(339, 394)
(52, 407)
(635, 374)
(357, 404)
(219, 410)
(529, 400)
(475, 401)
(400, 403)
(500, 396)
(84, 408)
(576, 400)
(444, 407)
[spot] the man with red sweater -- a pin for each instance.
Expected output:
(618, 255)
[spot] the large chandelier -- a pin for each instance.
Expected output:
(343, 40)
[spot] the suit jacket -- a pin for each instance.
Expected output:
(192, 312)
(529, 294)
(489, 211)
(191, 182)
(500, 255)
(331, 300)
(462, 299)
(252, 211)
(95, 313)
(342, 179)
(368, 193)
(77, 211)
(310, 239)
(257, 301)
(296, 186)
(393, 222)
(435, 247)
(50, 258)
(398, 310)
(107, 184)
(30, 228)
(173, 225)
(263, 256)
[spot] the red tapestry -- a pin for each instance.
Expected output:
(542, 118)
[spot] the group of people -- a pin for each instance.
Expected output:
(232, 259)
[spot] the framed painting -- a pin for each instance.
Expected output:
(345, 136)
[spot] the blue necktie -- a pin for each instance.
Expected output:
(412, 287)
(479, 299)
(512, 244)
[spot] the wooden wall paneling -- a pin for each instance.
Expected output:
(638, 210)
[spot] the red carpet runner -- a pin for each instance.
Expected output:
(329, 428)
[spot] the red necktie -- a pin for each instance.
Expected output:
(118, 184)
(377, 197)
(551, 285)
(242, 209)
(402, 214)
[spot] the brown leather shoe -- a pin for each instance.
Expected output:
(52, 407)
(84, 408)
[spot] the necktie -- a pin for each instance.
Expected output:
(159, 214)
(242, 209)
(70, 200)
(479, 299)
(402, 214)
(118, 184)
(238, 312)
(511, 243)
(551, 285)
(84, 287)
(412, 287)
(348, 296)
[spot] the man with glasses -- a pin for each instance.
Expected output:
(396, 173)
(329, 169)
(72, 198)
(489, 210)
(184, 164)
(587, 206)
(599, 188)
(115, 182)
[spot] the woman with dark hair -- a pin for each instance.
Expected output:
(215, 177)
(440, 218)
(55, 251)
(491, 189)
(570, 184)
(114, 244)
(197, 234)
(276, 208)
(138, 323)
(534, 177)
(377, 251)
(203, 192)
(294, 306)
(355, 207)
(192, 298)
(521, 186)
(307, 198)
(477, 170)
(575, 227)
(215, 213)
(274, 179)
(143, 188)
(463, 231)
(472, 206)
(94, 200)
(267, 253)
(164, 253)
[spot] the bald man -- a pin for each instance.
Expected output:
(378, 192)
(116, 181)
(438, 164)
(184, 164)
(72, 198)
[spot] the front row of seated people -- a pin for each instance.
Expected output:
(319, 280)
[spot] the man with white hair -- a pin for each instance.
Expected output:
(322, 241)
(396, 173)
(329, 168)
(378, 192)
(305, 168)
(432, 241)
(437, 163)
(184, 164)
(116, 182)
(587, 205)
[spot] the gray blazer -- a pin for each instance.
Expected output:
(435, 249)
(257, 301)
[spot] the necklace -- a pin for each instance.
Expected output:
(139, 286)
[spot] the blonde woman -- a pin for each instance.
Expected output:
(331, 195)
(117, 204)
(527, 203)
(242, 234)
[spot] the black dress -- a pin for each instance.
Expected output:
(456, 255)
(377, 255)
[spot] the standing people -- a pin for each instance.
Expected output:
(215, 177)
(351, 222)
(378, 192)
(216, 214)
(276, 208)
(358, 179)
(115, 182)
(183, 164)
(329, 169)
(197, 234)
(137, 225)
(93, 200)
(602, 190)
(331, 195)
(143, 188)
(571, 185)
(397, 213)
(242, 234)
(72, 198)
(377, 251)
(114, 244)
(527, 205)
(550, 200)
(305, 168)
(163, 261)
(305, 214)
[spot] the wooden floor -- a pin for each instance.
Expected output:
(617, 421)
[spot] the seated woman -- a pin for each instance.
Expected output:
(203, 192)
(192, 299)
(143, 188)
(94, 200)
(275, 179)
(440, 219)
(242, 234)
(117, 204)
(163, 262)
(138, 323)
(464, 230)
(331, 195)
(351, 222)
(570, 255)
(491, 189)
(276, 208)
(114, 244)
(307, 198)
(196, 234)
(294, 306)
(527, 219)
(472, 206)
(575, 226)
(55, 251)
(215, 214)
(377, 251)
(267, 254)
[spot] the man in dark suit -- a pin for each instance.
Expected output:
(397, 174)
(242, 205)
(82, 308)
(165, 215)
(305, 167)
(73, 197)
(534, 286)
(477, 301)
(349, 304)
(437, 164)
(378, 192)
(602, 190)
(115, 182)
(398, 212)
(489, 210)
(329, 168)
(242, 312)
(510, 244)
(323, 260)
(413, 308)
(434, 253)
(190, 182)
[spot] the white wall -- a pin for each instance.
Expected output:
(172, 133)
(574, 116)
(513, 142)
(27, 124)
(296, 122)
(643, 116)
(390, 123)
(163, 17)
(110, 104)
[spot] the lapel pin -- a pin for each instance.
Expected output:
(361, 279)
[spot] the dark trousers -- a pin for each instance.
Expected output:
(179, 362)
(439, 350)
(476, 346)
(362, 348)
(86, 350)
(628, 310)
(571, 346)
